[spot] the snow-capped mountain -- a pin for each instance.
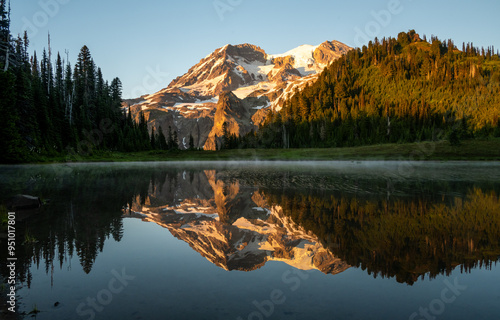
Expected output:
(232, 226)
(258, 82)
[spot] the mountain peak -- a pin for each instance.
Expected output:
(232, 67)
(245, 80)
(223, 70)
(328, 51)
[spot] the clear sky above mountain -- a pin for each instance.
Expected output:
(148, 43)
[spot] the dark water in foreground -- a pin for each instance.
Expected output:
(339, 240)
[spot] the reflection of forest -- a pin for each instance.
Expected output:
(84, 209)
(402, 238)
(258, 217)
(439, 227)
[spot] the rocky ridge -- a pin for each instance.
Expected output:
(234, 84)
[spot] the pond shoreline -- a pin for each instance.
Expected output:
(469, 150)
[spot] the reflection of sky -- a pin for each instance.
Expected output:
(175, 282)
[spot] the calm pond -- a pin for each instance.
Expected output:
(258, 240)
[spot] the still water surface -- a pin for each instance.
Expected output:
(312, 240)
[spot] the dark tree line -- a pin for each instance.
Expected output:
(73, 205)
(50, 107)
(161, 142)
(394, 90)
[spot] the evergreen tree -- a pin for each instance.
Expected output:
(191, 142)
(153, 143)
(170, 138)
(393, 90)
(454, 138)
(225, 137)
(47, 108)
(5, 37)
(116, 93)
(175, 140)
(11, 144)
(161, 140)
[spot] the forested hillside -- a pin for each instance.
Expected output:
(49, 107)
(394, 90)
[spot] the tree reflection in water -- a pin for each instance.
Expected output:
(240, 220)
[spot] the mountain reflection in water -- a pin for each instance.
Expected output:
(240, 219)
(238, 226)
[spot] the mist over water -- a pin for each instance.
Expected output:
(216, 240)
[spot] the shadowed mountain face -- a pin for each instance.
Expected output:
(232, 226)
(197, 103)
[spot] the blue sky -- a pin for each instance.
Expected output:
(147, 43)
